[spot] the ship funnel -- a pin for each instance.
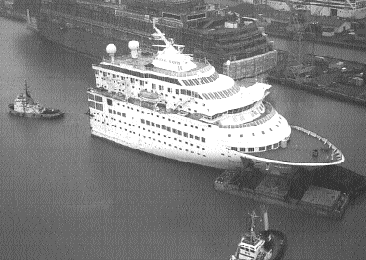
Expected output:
(265, 217)
(134, 47)
(111, 50)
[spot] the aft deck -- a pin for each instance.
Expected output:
(304, 148)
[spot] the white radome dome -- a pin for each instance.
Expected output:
(133, 45)
(111, 48)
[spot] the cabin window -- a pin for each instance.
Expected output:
(269, 147)
(99, 106)
(161, 87)
(251, 149)
(92, 104)
(98, 98)
(234, 148)
(153, 86)
(109, 102)
(177, 91)
(262, 148)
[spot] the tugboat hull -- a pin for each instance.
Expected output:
(50, 115)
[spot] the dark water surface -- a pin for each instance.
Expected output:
(66, 195)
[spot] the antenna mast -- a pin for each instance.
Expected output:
(252, 233)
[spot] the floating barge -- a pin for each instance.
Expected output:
(326, 191)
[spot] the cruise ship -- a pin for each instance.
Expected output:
(207, 30)
(176, 106)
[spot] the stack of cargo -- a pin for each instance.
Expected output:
(273, 187)
(322, 198)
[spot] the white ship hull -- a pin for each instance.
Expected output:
(121, 124)
(147, 145)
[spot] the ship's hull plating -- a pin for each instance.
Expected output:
(34, 115)
(167, 151)
(133, 126)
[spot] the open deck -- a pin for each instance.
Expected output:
(304, 148)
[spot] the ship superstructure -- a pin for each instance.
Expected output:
(176, 106)
(206, 30)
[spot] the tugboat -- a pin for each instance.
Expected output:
(269, 245)
(25, 106)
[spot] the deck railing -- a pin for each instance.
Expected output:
(335, 152)
(270, 113)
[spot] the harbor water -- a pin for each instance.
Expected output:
(67, 195)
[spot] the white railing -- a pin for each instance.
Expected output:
(267, 117)
(335, 151)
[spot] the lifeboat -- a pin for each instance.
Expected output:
(150, 96)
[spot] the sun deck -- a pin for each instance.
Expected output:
(304, 148)
(144, 63)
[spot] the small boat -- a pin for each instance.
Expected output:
(268, 245)
(25, 106)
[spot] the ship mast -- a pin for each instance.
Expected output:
(252, 233)
(161, 35)
(158, 35)
(26, 95)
